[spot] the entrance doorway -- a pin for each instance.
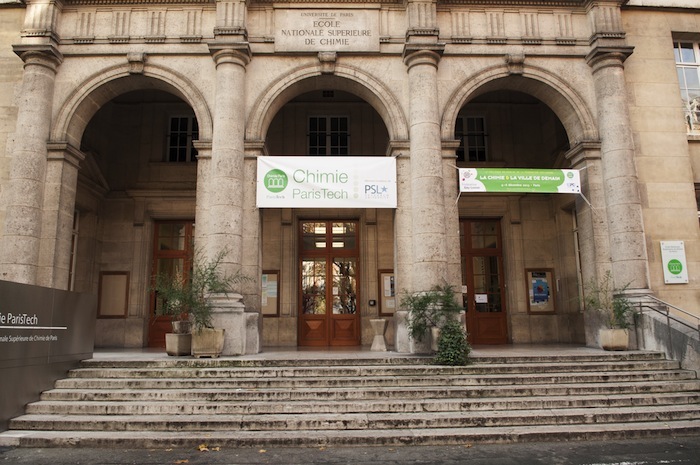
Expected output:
(482, 276)
(172, 254)
(328, 277)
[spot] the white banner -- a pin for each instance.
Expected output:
(326, 182)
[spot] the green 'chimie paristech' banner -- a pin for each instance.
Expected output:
(519, 180)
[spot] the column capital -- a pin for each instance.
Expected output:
(237, 53)
(583, 151)
(65, 151)
(604, 56)
(42, 55)
(417, 54)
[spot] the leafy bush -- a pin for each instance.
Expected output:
(453, 348)
(182, 297)
(430, 308)
(610, 301)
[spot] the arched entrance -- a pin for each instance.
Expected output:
(137, 180)
(510, 242)
(327, 258)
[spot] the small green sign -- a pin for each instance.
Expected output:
(276, 181)
(675, 266)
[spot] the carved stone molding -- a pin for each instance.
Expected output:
(136, 61)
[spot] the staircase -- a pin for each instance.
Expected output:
(361, 401)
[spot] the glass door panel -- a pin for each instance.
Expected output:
(344, 285)
(313, 279)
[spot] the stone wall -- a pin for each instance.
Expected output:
(10, 80)
(666, 165)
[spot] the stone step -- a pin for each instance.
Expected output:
(411, 392)
(268, 360)
(203, 407)
(343, 401)
(404, 420)
(370, 371)
(372, 382)
(366, 437)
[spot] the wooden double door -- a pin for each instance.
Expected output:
(329, 314)
(172, 254)
(483, 281)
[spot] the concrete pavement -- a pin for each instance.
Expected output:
(671, 451)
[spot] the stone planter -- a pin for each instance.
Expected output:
(614, 339)
(207, 342)
(178, 344)
(182, 326)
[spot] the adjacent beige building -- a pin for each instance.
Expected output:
(130, 133)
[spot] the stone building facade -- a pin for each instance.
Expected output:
(130, 134)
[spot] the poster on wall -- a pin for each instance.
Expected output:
(326, 182)
(544, 181)
(540, 290)
(674, 262)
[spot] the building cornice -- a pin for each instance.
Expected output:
(334, 3)
(137, 2)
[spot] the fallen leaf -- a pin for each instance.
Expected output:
(262, 451)
(321, 448)
(203, 448)
(468, 446)
(182, 461)
(216, 449)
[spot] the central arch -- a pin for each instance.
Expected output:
(308, 78)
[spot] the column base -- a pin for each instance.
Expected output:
(242, 330)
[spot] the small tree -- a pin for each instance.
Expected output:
(438, 308)
(428, 309)
(190, 296)
(604, 297)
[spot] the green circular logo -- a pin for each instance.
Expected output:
(675, 266)
(276, 181)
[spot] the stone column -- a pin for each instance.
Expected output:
(19, 254)
(58, 210)
(592, 219)
(421, 251)
(224, 194)
(628, 252)
(429, 252)
(223, 202)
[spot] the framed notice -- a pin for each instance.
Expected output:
(270, 293)
(387, 293)
(541, 290)
(113, 294)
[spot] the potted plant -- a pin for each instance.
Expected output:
(192, 298)
(437, 311)
(616, 309)
(170, 292)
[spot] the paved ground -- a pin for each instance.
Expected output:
(672, 451)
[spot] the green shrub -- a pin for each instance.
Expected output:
(453, 348)
(430, 308)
